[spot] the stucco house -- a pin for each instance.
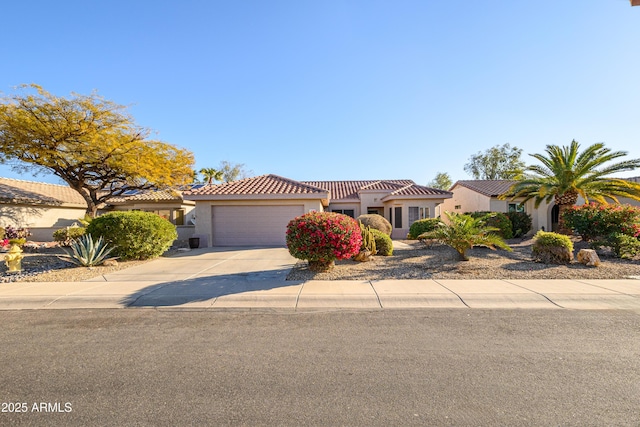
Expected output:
(255, 211)
(482, 195)
(44, 208)
(38, 206)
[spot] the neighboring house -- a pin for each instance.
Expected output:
(44, 208)
(482, 195)
(40, 207)
(256, 211)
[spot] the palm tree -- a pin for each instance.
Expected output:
(211, 174)
(566, 174)
(464, 232)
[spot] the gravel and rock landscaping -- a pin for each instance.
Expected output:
(414, 260)
(410, 260)
(46, 264)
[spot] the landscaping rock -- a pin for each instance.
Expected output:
(588, 257)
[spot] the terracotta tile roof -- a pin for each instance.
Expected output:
(39, 193)
(149, 196)
(490, 188)
(348, 190)
(264, 184)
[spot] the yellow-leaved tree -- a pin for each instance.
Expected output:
(90, 143)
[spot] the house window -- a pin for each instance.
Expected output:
(174, 216)
(516, 207)
(458, 207)
(178, 217)
(398, 217)
(347, 212)
(416, 213)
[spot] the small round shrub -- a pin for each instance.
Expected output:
(498, 220)
(520, 223)
(622, 245)
(384, 244)
(377, 222)
(65, 236)
(135, 234)
(323, 237)
(552, 248)
(422, 226)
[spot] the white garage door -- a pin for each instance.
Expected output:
(252, 225)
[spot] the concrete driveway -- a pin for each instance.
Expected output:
(244, 263)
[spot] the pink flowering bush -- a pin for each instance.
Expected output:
(323, 237)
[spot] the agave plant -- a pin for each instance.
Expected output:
(464, 232)
(88, 253)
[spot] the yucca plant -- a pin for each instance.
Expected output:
(88, 253)
(464, 232)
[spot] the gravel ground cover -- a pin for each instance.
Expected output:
(48, 265)
(413, 260)
(410, 260)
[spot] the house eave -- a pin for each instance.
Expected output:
(226, 197)
(392, 197)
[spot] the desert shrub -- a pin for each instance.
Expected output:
(463, 232)
(65, 236)
(16, 236)
(377, 222)
(422, 226)
(323, 237)
(622, 245)
(593, 222)
(135, 234)
(498, 220)
(87, 252)
(552, 248)
(520, 223)
(384, 244)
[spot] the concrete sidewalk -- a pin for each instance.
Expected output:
(273, 292)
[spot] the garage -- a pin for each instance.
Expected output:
(252, 225)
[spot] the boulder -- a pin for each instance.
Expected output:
(588, 257)
(110, 263)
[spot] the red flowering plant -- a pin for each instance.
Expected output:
(323, 237)
(595, 221)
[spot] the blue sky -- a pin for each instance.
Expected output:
(322, 90)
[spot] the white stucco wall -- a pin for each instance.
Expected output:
(467, 199)
(39, 216)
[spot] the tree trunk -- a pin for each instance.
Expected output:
(564, 202)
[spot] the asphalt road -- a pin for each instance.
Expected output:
(145, 367)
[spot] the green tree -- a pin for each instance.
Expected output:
(567, 173)
(233, 172)
(89, 142)
(463, 232)
(442, 181)
(211, 174)
(498, 162)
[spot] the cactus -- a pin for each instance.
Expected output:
(368, 240)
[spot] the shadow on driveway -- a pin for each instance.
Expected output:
(263, 284)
